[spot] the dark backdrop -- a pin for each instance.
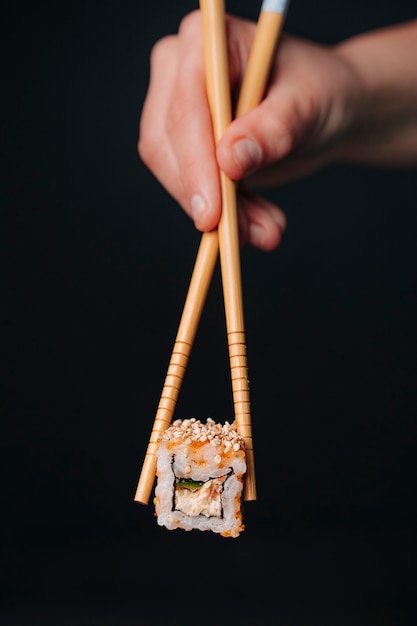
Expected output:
(95, 264)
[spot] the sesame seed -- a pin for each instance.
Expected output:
(193, 430)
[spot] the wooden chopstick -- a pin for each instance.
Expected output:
(268, 30)
(193, 307)
(218, 91)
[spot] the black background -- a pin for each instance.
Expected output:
(95, 264)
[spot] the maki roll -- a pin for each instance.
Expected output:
(200, 470)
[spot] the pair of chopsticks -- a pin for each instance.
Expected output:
(225, 239)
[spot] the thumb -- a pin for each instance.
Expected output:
(260, 138)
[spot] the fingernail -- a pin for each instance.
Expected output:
(198, 209)
(247, 154)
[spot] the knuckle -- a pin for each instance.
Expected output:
(161, 50)
(144, 151)
(147, 146)
(285, 133)
(190, 25)
(142, 148)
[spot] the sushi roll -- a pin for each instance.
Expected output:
(200, 470)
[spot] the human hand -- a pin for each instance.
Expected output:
(309, 106)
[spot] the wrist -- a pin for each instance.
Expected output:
(383, 126)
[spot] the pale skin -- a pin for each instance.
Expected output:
(355, 102)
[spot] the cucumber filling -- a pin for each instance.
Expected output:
(194, 497)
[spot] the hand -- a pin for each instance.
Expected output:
(314, 105)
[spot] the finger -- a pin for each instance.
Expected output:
(189, 123)
(189, 128)
(263, 136)
(154, 146)
(261, 223)
(286, 116)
